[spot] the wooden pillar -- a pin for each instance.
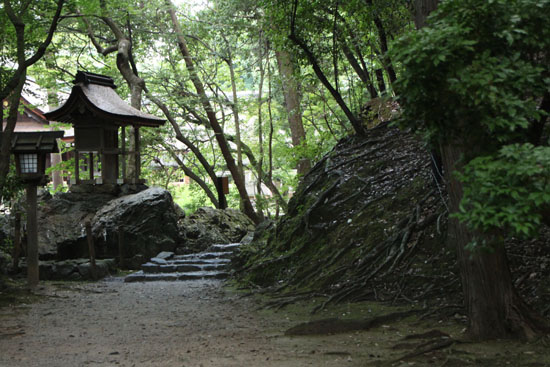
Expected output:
(123, 154)
(76, 167)
(32, 237)
(137, 154)
(109, 156)
(91, 165)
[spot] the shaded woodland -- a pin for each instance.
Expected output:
(429, 116)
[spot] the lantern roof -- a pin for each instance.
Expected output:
(35, 142)
(96, 94)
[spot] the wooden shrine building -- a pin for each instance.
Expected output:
(97, 112)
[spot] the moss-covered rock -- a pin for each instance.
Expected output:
(357, 220)
(208, 226)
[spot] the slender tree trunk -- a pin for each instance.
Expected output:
(494, 308)
(195, 177)
(267, 181)
(128, 70)
(363, 74)
(7, 134)
(383, 38)
(235, 107)
(292, 103)
(57, 175)
(207, 167)
(270, 139)
(259, 208)
(355, 122)
(380, 80)
(220, 137)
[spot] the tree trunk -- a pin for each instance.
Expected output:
(126, 67)
(259, 209)
(235, 107)
(355, 122)
(267, 180)
(363, 74)
(198, 180)
(220, 137)
(7, 133)
(423, 8)
(494, 308)
(207, 167)
(383, 38)
(292, 103)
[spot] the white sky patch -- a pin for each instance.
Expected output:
(193, 6)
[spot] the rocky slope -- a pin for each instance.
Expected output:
(366, 222)
(369, 222)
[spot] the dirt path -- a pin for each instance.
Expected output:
(199, 323)
(152, 324)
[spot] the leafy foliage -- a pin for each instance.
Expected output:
(509, 190)
(11, 185)
(478, 77)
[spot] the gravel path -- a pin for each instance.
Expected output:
(183, 324)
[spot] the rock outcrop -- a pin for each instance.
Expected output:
(366, 214)
(148, 220)
(74, 269)
(61, 220)
(208, 226)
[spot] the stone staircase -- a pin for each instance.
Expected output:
(211, 264)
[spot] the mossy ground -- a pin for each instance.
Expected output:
(385, 346)
(16, 292)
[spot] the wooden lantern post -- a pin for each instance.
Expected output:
(30, 150)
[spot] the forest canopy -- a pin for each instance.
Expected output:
(260, 91)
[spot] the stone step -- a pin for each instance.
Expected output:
(141, 276)
(181, 268)
(205, 255)
(201, 261)
(212, 267)
(225, 247)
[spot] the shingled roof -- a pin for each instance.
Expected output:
(97, 93)
(36, 141)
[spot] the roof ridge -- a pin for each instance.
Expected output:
(87, 77)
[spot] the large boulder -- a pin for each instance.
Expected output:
(148, 221)
(208, 226)
(61, 220)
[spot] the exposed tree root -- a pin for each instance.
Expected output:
(428, 347)
(337, 326)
